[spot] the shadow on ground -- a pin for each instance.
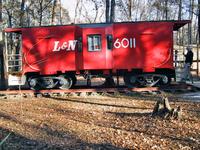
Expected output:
(19, 142)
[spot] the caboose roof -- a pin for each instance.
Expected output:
(177, 24)
(180, 23)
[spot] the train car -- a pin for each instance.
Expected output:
(52, 56)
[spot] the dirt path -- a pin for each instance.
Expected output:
(109, 122)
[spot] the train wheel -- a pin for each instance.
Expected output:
(166, 80)
(32, 83)
(130, 80)
(148, 80)
(65, 82)
(37, 83)
(47, 83)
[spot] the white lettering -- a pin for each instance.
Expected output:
(68, 46)
(134, 42)
(56, 48)
(117, 44)
(131, 43)
(72, 45)
(125, 43)
(64, 46)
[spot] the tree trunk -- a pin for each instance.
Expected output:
(112, 11)
(41, 12)
(190, 24)
(28, 17)
(60, 8)
(96, 10)
(130, 4)
(179, 9)
(107, 11)
(53, 17)
(166, 9)
(199, 21)
(162, 109)
(0, 10)
(22, 11)
(136, 11)
(76, 10)
(9, 20)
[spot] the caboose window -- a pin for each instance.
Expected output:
(80, 44)
(94, 42)
(109, 41)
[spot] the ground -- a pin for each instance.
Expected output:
(97, 122)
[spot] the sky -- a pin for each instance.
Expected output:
(70, 6)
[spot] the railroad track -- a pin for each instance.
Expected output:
(85, 91)
(77, 91)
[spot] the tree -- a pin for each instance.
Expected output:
(53, 12)
(191, 8)
(22, 13)
(61, 13)
(130, 5)
(48, 12)
(110, 11)
(179, 9)
(43, 5)
(86, 14)
(165, 9)
(107, 11)
(0, 10)
(9, 7)
(199, 20)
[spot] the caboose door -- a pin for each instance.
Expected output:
(96, 55)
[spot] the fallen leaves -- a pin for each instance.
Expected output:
(96, 123)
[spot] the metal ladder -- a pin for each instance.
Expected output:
(12, 54)
(14, 63)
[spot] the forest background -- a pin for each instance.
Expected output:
(25, 13)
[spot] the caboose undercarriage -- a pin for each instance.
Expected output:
(131, 79)
(49, 82)
(147, 80)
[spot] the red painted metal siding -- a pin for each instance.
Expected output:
(151, 46)
(44, 51)
(94, 59)
(109, 53)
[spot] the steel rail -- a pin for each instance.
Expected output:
(86, 90)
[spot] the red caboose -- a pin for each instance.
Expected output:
(52, 56)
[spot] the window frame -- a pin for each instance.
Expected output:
(93, 45)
